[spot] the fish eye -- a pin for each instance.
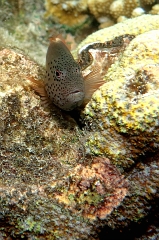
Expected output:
(58, 74)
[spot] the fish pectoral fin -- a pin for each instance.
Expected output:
(93, 81)
(38, 86)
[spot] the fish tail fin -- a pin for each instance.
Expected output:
(39, 87)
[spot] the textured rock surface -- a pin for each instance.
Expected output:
(50, 187)
(72, 13)
(76, 12)
(22, 25)
(134, 26)
(47, 187)
(124, 112)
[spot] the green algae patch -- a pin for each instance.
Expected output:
(30, 225)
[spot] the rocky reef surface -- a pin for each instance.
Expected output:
(123, 113)
(106, 12)
(59, 181)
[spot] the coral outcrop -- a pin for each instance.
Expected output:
(72, 13)
(118, 9)
(143, 190)
(105, 12)
(95, 189)
(155, 9)
(44, 187)
(51, 184)
(124, 111)
(134, 26)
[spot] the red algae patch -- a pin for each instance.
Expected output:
(94, 189)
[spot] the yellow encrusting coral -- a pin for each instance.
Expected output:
(124, 111)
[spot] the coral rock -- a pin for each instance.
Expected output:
(119, 8)
(72, 13)
(49, 187)
(131, 26)
(34, 144)
(138, 12)
(124, 112)
(143, 189)
(99, 8)
(96, 189)
(155, 9)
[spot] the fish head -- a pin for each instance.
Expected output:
(64, 82)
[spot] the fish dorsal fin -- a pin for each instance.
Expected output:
(59, 38)
(67, 38)
(70, 42)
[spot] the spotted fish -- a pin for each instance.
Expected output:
(65, 84)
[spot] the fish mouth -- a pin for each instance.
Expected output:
(77, 91)
(73, 100)
(73, 92)
(76, 96)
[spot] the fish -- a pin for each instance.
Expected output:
(70, 84)
(64, 84)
